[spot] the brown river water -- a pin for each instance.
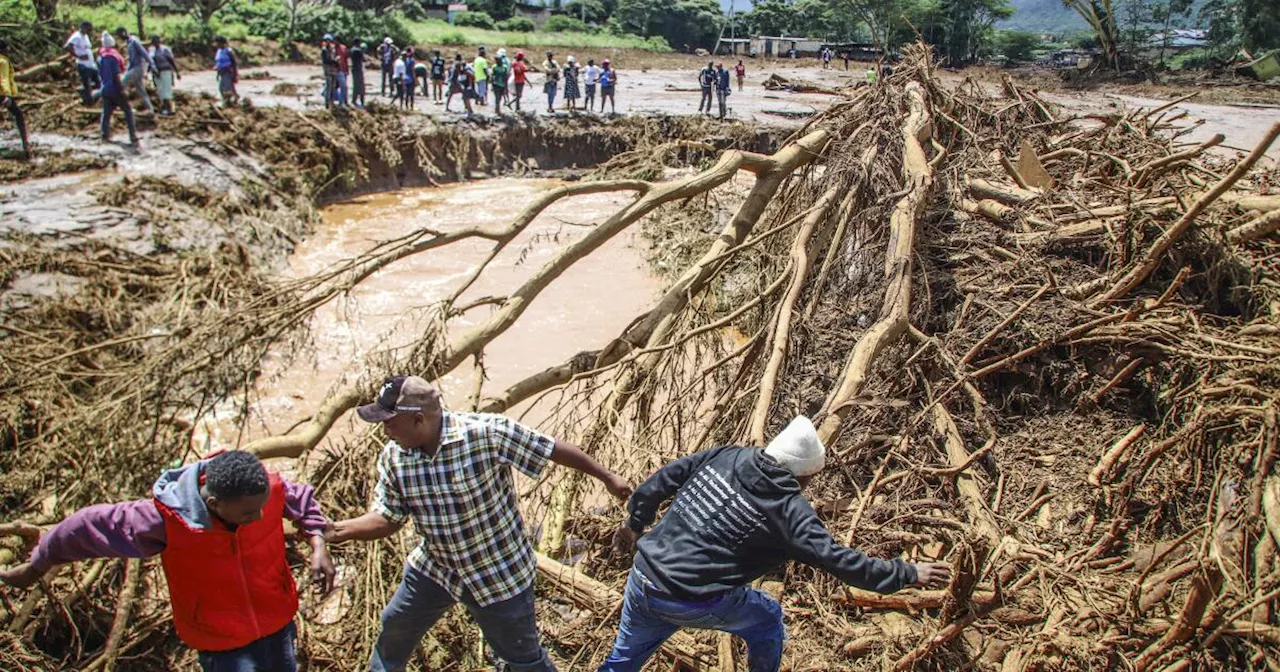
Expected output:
(584, 308)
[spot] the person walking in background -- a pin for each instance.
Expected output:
(590, 77)
(407, 87)
(608, 85)
(218, 527)
(480, 67)
(570, 83)
(519, 77)
(420, 70)
(552, 70)
(224, 63)
(498, 76)
(329, 68)
(453, 475)
(344, 68)
(741, 71)
(9, 98)
(387, 55)
(81, 48)
(706, 80)
(723, 89)
(738, 514)
(357, 73)
(826, 58)
(140, 64)
(111, 68)
(845, 55)
(165, 74)
(397, 84)
(437, 77)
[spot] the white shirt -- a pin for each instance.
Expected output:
(399, 68)
(592, 75)
(83, 48)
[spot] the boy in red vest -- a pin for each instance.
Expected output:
(218, 528)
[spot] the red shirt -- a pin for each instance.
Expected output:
(343, 65)
(740, 69)
(519, 69)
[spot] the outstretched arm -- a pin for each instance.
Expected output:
(387, 515)
(566, 454)
(808, 541)
(129, 530)
(369, 527)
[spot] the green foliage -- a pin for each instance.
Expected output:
(589, 10)
(269, 19)
(1017, 46)
(1221, 18)
(566, 24)
(498, 9)
(967, 26)
(1261, 19)
(770, 17)
(29, 42)
(682, 23)
(438, 32)
(453, 38)
(517, 24)
(474, 20)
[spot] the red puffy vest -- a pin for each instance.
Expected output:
(229, 588)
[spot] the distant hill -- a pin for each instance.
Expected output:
(1043, 15)
(1037, 15)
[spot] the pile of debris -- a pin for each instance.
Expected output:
(1042, 348)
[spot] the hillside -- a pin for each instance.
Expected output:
(1043, 15)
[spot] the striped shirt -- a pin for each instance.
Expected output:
(463, 504)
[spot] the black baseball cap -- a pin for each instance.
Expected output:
(400, 394)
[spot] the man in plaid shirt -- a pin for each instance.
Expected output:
(451, 474)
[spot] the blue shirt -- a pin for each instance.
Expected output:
(408, 69)
(109, 68)
(606, 78)
(223, 60)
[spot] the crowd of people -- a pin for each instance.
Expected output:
(736, 514)
(108, 75)
(481, 81)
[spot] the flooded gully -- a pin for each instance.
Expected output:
(589, 304)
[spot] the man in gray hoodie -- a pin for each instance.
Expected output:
(140, 63)
(738, 514)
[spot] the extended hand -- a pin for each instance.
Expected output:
(21, 576)
(619, 487)
(624, 542)
(322, 570)
(932, 574)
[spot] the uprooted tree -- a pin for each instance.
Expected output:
(1041, 347)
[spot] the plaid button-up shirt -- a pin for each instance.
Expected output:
(463, 503)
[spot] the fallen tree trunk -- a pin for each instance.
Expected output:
(918, 176)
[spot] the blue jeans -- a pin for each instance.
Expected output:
(90, 82)
(110, 103)
(510, 627)
(342, 88)
(650, 617)
(550, 89)
(273, 653)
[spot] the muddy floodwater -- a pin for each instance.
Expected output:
(584, 308)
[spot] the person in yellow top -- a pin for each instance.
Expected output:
(9, 95)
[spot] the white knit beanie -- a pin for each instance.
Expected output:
(108, 40)
(798, 448)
